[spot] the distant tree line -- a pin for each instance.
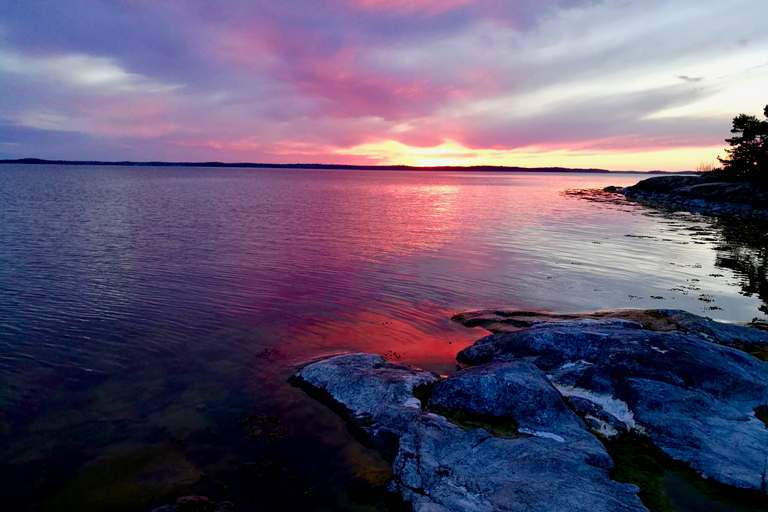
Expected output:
(483, 168)
(747, 158)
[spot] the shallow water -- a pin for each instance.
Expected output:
(149, 317)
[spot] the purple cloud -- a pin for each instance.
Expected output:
(312, 80)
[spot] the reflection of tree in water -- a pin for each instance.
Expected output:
(745, 252)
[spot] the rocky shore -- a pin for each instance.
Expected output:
(541, 415)
(707, 193)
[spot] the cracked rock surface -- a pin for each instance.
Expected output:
(552, 463)
(441, 467)
(694, 396)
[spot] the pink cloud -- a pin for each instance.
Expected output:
(356, 93)
(143, 117)
(409, 6)
(340, 78)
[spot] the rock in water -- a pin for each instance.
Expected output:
(442, 468)
(695, 398)
(706, 194)
(499, 436)
(522, 393)
(551, 463)
(374, 396)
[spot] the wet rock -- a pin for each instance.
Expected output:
(696, 398)
(441, 467)
(507, 321)
(521, 392)
(374, 396)
(551, 463)
(706, 194)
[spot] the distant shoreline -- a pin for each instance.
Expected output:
(482, 168)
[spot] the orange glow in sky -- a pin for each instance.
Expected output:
(451, 153)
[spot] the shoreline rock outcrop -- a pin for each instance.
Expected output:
(546, 461)
(694, 396)
(707, 193)
(523, 426)
(375, 397)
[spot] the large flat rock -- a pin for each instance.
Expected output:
(520, 392)
(549, 463)
(441, 468)
(694, 396)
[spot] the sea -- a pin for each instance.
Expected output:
(151, 316)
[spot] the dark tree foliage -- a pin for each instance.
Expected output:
(747, 158)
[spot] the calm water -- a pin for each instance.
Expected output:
(149, 317)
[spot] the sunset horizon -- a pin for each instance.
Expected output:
(364, 82)
(371, 255)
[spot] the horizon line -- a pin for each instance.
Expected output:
(389, 167)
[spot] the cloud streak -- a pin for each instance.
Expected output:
(366, 81)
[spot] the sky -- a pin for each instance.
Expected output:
(619, 85)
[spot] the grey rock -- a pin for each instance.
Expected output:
(706, 194)
(716, 332)
(522, 392)
(511, 321)
(695, 397)
(723, 442)
(441, 467)
(374, 396)
(667, 374)
(554, 465)
(549, 345)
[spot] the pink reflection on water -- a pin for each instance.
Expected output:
(398, 340)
